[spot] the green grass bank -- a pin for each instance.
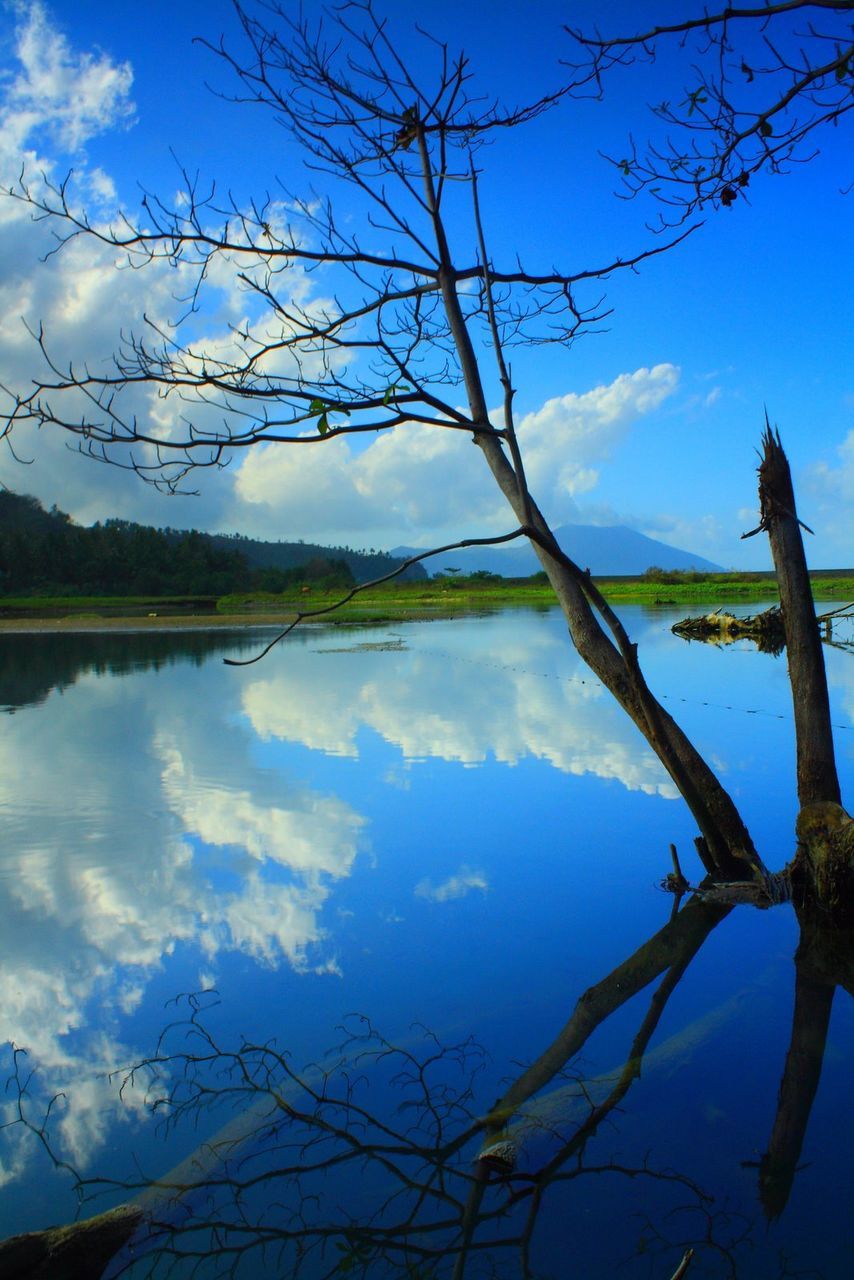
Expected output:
(440, 596)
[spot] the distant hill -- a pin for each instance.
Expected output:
(603, 549)
(47, 550)
(364, 565)
(19, 513)
(46, 553)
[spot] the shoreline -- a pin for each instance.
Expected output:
(224, 622)
(384, 608)
(195, 622)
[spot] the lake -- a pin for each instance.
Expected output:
(275, 937)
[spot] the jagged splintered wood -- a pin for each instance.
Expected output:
(817, 776)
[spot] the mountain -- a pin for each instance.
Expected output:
(606, 550)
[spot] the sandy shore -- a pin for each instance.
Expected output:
(165, 622)
(370, 616)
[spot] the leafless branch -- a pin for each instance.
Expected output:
(763, 83)
(305, 615)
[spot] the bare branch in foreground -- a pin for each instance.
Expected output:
(305, 615)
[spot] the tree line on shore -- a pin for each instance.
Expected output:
(47, 553)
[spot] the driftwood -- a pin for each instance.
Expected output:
(765, 629)
(78, 1251)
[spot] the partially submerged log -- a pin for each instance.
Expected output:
(78, 1251)
(767, 630)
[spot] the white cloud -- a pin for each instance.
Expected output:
(429, 707)
(72, 95)
(826, 494)
(835, 482)
(566, 440)
(97, 894)
(707, 531)
(426, 481)
(416, 484)
(456, 886)
(570, 433)
(54, 101)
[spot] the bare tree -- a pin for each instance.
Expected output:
(400, 343)
(763, 81)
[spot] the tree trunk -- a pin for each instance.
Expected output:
(817, 779)
(810, 1021)
(728, 848)
(823, 872)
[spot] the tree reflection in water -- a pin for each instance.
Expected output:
(383, 1161)
(55, 660)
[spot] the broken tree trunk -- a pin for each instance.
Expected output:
(817, 778)
(823, 871)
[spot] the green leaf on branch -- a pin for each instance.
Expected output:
(696, 98)
(765, 129)
(391, 392)
(323, 410)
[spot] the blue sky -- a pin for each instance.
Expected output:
(652, 423)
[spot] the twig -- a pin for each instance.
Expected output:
(686, 1259)
(302, 615)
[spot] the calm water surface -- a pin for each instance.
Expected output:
(449, 830)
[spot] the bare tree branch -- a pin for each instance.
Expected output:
(764, 82)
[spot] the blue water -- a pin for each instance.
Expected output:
(447, 828)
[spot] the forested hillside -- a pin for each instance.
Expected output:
(46, 553)
(364, 565)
